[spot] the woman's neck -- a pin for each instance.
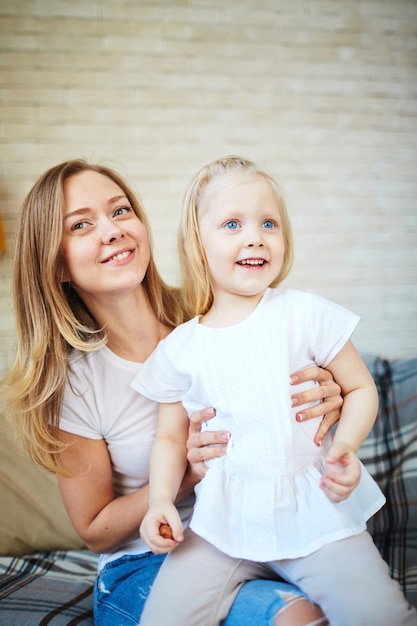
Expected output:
(132, 328)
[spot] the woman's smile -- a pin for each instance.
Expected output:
(120, 256)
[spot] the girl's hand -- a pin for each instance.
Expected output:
(204, 446)
(327, 390)
(155, 526)
(343, 472)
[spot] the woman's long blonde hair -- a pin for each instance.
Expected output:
(196, 289)
(51, 319)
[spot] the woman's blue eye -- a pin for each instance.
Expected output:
(268, 224)
(232, 225)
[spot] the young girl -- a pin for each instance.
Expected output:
(276, 499)
(90, 308)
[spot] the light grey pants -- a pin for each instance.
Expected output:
(197, 584)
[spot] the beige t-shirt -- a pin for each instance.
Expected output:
(99, 403)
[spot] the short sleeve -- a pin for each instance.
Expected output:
(330, 326)
(158, 379)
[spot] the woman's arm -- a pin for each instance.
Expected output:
(103, 521)
(203, 446)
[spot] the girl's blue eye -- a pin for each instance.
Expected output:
(268, 224)
(232, 225)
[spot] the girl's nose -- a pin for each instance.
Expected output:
(255, 239)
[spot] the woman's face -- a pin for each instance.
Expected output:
(106, 247)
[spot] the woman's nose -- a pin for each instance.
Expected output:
(111, 233)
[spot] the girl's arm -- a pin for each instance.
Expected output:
(167, 468)
(360, 404)
(358, 415)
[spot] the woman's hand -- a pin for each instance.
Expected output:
(327, 390)
(204, 446)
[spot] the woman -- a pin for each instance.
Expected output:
(90, 308)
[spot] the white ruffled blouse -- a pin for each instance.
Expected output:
(262, 500)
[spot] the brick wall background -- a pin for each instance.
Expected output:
(321, 92)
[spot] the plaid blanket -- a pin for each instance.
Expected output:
(390, 454)
(55, 588)
(48, 588)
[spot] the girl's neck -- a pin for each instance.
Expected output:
(132, 328)
(230, 310)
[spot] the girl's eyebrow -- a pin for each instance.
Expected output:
(83, 210)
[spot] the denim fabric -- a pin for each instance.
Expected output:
(121, 589)
(123, 585)
(259, 601)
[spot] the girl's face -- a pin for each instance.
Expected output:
(241, 233)
(106, 247)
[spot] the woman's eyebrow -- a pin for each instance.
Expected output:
(80, 211)
(117, 198)
(87, 209)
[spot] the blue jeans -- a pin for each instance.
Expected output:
(123, 585)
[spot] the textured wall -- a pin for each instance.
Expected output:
(321, 92)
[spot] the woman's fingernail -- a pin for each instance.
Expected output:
(294, 400)
(210, 412)
(293, 379)
(299, 417)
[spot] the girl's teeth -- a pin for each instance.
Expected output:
(252, 262)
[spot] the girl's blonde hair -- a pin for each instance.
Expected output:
(196, 289)
(51, 319)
